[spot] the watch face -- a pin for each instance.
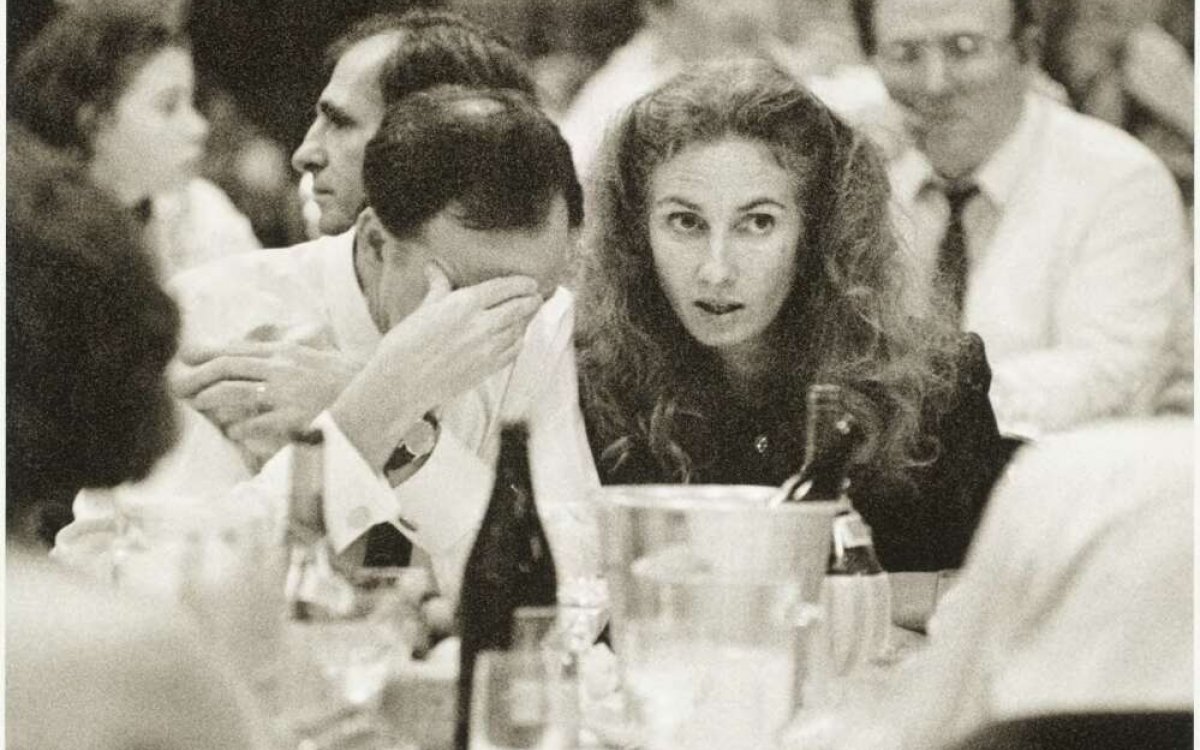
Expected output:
(421, 438)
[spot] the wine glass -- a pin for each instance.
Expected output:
(340, 664)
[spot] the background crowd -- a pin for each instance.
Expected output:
(1129, 63)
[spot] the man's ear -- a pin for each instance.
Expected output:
(375, 237)
(87, 121)
(1029, 46)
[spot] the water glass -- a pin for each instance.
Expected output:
(515, 702)
(718, 667)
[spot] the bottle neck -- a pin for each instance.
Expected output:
(513, 484)
(305, 505)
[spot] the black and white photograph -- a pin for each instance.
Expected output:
(600, 375)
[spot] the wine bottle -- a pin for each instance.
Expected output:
(314, 588)
(510, 566)
(828, 442)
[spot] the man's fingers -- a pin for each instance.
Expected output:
(197, 356)
(509, 354)
(492, 292)
(439, 283)
(313, 335)
(514, 312)
(264, 427)
(213, 371)
(228, 393)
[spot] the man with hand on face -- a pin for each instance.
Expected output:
(298, 360)
(437, 290)
(1056, 237)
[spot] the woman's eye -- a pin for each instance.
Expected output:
(758, 223)
(687, 223)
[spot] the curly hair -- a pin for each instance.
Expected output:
(89, 331)
(848, 319)
(85, 56)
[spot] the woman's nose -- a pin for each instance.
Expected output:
(716, 269)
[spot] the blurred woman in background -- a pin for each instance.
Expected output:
(742, 251)
(115, 88)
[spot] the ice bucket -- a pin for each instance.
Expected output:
(711, 593)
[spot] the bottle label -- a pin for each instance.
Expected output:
(853, 547)
(516, 711)
(852, 531)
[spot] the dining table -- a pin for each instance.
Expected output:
(417, 704)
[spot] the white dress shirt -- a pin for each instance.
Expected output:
(1077, 266)
(312, 288)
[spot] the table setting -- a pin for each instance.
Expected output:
(704, 626)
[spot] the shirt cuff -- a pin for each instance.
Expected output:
(445, 499)
(356, 496)
(437, 507)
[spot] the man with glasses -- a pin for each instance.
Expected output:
(1056, 237)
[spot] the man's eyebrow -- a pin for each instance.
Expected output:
(333, 111)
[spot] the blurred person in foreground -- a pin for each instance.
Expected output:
(1070, 619)
(114, 88)
(450, 302)
(1058, 238)
(741, 252)
(89, 335)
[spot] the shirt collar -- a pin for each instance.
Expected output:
(1000, 175)
(997, 178)
(356, 333)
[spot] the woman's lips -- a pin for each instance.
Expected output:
(714, 307)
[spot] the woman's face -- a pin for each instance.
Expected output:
(724, 229)
(153, 137)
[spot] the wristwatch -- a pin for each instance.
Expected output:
(416, 445)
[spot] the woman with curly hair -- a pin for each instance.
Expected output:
(742, 250)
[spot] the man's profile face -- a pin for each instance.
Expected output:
(348, 114)
(957, 71)
(469, 256)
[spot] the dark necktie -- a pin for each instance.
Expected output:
(952, 255)
(387, 547)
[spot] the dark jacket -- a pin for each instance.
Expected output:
(922, 521)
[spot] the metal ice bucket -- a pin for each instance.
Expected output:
(710, 594)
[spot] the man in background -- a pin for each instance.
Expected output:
(1056, 237)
